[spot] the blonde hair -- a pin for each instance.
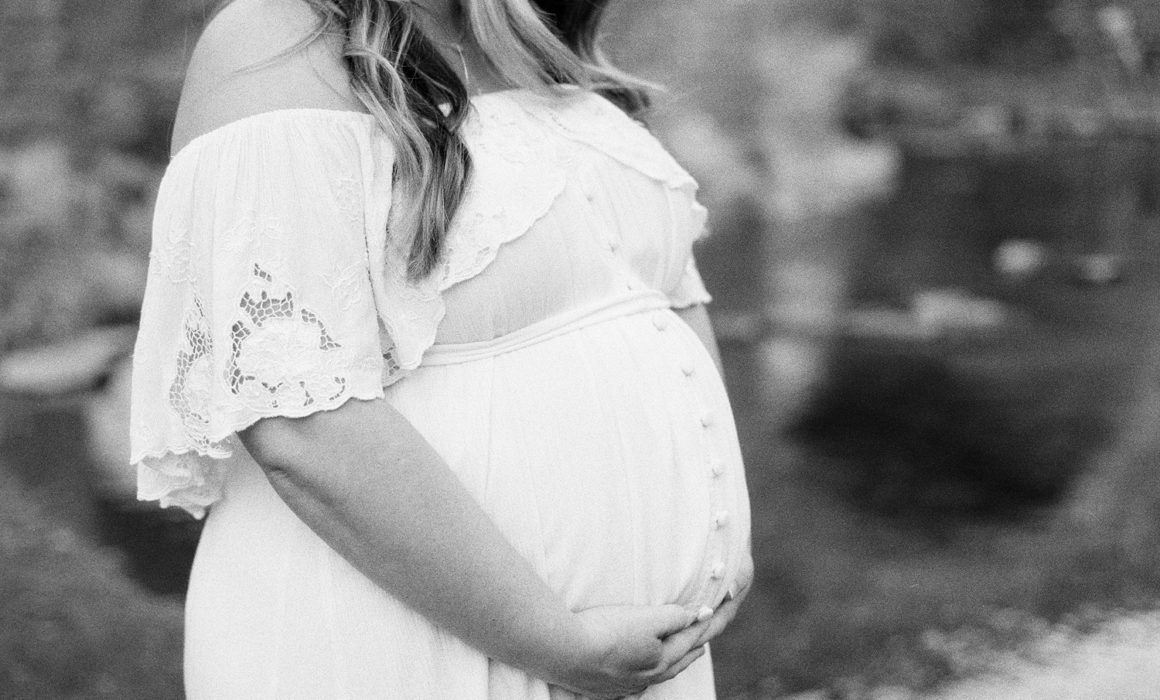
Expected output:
(420, 101)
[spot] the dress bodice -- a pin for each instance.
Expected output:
(613, 214)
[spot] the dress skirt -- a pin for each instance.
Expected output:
(602, 444)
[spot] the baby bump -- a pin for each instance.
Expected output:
(607, 456)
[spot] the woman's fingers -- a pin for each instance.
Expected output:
(647, 645)
(715, 625)
(665, 620)
(680, 643)
(722, 616)
(680, 665)
(663, 639)
(724, 613)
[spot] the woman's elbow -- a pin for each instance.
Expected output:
(289, 445)
(276, 444)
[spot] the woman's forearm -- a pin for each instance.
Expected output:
(371, 486)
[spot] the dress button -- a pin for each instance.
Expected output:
(613, 245)
(660, 321)
(688, 368)
(704, 613)
(716, 468)
(706, 419)
(720, 520)
(718, 570)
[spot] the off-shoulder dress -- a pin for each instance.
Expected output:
(542, 360)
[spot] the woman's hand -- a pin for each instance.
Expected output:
(633, 647)
(628, 648)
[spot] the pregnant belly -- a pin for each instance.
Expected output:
(607, 454)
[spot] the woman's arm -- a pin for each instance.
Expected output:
(371, 487)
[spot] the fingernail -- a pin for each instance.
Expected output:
(704, 613)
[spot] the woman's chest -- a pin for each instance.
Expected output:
(608, 230)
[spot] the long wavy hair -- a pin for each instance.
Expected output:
(418, 99)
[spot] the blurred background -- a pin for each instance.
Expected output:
(935, 256)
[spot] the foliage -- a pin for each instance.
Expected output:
(98, 75)
(1002, 34)
(73, 239)
(78, 171)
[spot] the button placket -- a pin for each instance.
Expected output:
(721, 519)
(717, 552)
(612, 246)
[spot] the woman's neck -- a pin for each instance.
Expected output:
(445, 23)
(444, 17)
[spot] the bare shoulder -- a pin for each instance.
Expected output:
(258, 56)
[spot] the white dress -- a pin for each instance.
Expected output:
(542, 361)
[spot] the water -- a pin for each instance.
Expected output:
(43, 442)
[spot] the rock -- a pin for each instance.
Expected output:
(74, 364)
(1019, 258)
(1099, 268)
(938, 311)
(107, 417)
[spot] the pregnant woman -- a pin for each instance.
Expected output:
(424, 335)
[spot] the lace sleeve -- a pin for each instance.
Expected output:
(259, 299)
(689, 290)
